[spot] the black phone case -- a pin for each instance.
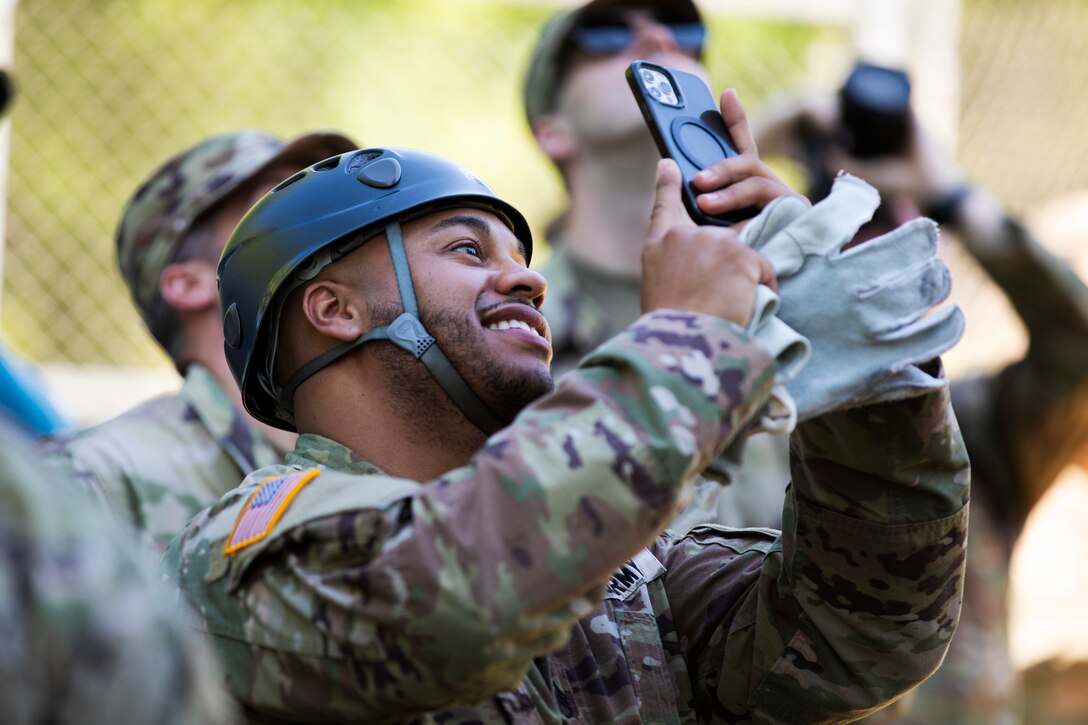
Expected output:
(692, 133)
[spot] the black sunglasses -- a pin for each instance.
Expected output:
(614, 38)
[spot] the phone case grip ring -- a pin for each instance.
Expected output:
(698, 143)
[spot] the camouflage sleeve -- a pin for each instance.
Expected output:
(857, 600)
(444, 595)
(88, 636)
(59, 456)
(1028, 422)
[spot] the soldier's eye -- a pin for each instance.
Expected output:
(468, 247)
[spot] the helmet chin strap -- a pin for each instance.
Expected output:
(407, 333)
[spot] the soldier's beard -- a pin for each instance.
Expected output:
(503, 385)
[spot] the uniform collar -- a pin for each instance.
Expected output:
(209, 402)
(316, 449)
(576, 320)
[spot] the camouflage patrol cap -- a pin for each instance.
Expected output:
(546, 69)
(157, 219)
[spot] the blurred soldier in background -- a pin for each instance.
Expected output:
(163, 461)
(586, 121)
(1023, 424)
(86, 635)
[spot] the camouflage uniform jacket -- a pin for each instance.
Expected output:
(1022, 426)
(532, 586)
(86, 634)
(160, 463)
(584, 309)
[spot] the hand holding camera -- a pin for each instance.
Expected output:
(880, 140)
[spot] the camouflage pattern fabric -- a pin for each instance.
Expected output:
(163, 210)
(1022, 426)
(584, 309)
(160, 463)
(86, 635)
(531, 586)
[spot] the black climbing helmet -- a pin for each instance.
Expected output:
(313, 219)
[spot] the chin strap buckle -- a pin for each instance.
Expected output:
(408, 333)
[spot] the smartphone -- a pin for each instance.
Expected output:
(686, 123)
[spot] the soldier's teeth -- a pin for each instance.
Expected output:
(517, 324)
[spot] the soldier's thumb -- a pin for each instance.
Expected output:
(668, 208)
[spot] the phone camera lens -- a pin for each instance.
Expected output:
(655, 92)
(648, 76)
(666, 88)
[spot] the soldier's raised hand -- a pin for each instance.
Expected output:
(742, 181)
(697, 268)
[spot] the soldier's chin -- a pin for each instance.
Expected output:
(513, 391)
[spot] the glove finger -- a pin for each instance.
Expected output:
(765, 307)
(898, 300)
(904, 246)
(835, 220)
(779, 415)
(924, 339)
(910, 382)
(790, 348)
(774, 218)
(813, 399)
(842, 375)
(824, 228)
(784, 253)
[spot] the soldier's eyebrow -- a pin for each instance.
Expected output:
(474, 223)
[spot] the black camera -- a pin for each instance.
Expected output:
(875, 106)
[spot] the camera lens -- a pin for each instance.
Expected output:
(648, 76)
(875, 106)
(655, 92)
(666, 88)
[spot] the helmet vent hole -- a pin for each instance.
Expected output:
(327, 164)
(287, 182)
(361, 159)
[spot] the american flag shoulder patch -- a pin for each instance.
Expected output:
(265, 507)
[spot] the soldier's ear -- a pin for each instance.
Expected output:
(189, 286)
(334, 310)
(555, 137)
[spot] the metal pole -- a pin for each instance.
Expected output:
(922, 37)
(935, 67)
(882, 33)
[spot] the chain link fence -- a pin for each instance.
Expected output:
(109, 89)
